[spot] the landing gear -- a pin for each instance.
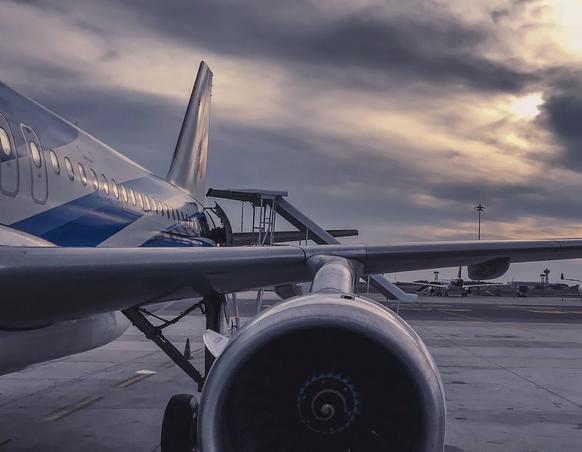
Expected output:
(180, 424)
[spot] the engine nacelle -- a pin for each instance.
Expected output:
(489, 269)
(326, 373)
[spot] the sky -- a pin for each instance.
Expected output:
(394, 118)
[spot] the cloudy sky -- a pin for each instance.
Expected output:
(392, 117)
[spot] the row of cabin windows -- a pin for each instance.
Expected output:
(119, 191)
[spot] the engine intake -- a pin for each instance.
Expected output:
(325, 373)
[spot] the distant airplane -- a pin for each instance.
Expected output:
(454, 284)
(578, 286)
(89, 239)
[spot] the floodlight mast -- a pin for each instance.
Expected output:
(479, 208)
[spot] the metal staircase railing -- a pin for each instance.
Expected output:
(275, 203)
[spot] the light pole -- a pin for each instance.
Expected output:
(479, 208)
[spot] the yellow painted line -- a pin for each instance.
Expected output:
(70, 409)
(132, 380)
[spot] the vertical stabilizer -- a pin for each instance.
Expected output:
(188, 168)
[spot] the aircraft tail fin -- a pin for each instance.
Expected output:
(188, 168)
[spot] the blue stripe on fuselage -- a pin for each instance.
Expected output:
(86, 221)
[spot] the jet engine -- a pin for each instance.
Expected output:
(326, 372)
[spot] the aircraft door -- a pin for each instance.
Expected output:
(8, 160)
(38, 172)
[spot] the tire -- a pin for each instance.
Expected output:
(179, 426)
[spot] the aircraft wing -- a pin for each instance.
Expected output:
(470, 286)
(424, 285)
(39, 285)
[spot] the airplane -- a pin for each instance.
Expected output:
(91, 242)
(578, 286)
(454, 284)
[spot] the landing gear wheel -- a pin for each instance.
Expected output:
(180, 423)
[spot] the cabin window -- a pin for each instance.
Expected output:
(132, 196)
(114, 189)
(154, 205)
(55, 162)
(104, 184)
(35, 152)
(94, 180)
(146, 202)
(140, 200)
(124, 193)
(173, 215)
(166, 210)
(5, 143)
(82, 173)
(69, 167)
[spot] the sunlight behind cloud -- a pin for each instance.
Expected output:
(526, 107)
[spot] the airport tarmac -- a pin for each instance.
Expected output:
(511, 367)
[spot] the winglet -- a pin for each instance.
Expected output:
(188, 168)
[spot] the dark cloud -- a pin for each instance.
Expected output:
(438, 47)
(562, 115)
(425, 44)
